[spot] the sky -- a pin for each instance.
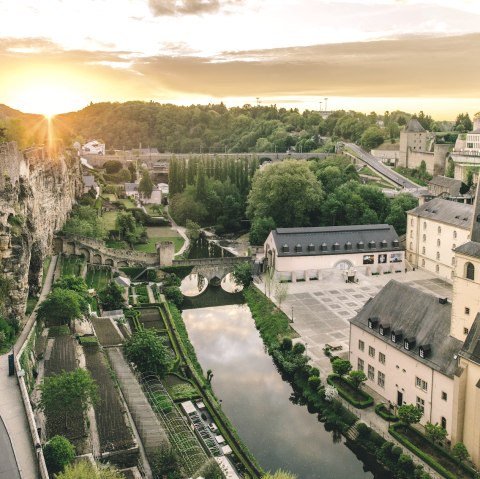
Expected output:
(364, 55)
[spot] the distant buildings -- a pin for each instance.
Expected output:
(89, 183)
(131, 190)
(93, 148)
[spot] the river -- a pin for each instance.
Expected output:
(279, 433)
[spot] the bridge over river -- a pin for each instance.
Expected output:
(212, 268)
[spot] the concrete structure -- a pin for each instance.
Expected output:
(302, 253)
(401, 340)
(89, 183)
(434, 230)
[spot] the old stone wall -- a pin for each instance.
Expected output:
(37, 191)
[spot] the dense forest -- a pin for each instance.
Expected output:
(214, 128)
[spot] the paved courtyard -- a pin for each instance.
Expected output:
(321, 309)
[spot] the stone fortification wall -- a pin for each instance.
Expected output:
(38, 189)
(435, 161)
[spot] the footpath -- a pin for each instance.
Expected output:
(12, 410)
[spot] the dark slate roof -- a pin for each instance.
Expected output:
(418, 315)
(445, 211)
(336, 240)
(414, 126)
(471, 347)
(131, 186)
(472, 248)
(89, 181)
(454, 186)
(476, 132)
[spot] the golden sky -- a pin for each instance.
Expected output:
(364, 55)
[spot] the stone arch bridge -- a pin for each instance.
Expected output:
(213, 268)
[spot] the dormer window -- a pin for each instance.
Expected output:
(396, 336)
(384, 329)
(361, 245)
(424, 351)
(323, 247)
(409, 343)
(372, 323)
(395, 243)
(348, 245)
(383, 244)
(311, 247)
(285, 248)
(336, 247)
(372, 244)
(298, 248)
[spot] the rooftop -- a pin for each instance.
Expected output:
(327, 240)
(417, 315)
(455, 187)
(472, 248)
(414, 126)
(445, 211)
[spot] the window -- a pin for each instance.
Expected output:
(381, 379)
(381, 358)
(423, 250)
(437, 268)
(465, 331)
(443, 422)
(467, 310)
(411, 245)
(411, 233)
(454, 246)
(423, 263)
(420, 383)
(420, 404)
(438, 242)
(361, 345)
(454, 234)
(438, 255)
(371, 351)
(444, 396)
(453, 261)
(424, 238)
(411, 221)
(439, 230)
(371, 372)
(470, 271)
(361, 365)
(424, 225)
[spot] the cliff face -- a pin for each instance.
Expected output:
(37, 191)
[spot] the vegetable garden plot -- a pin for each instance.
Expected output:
(109, 412)
(106, 332)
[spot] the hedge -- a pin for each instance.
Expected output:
(382, 411)
(425, 457)
(345, 395)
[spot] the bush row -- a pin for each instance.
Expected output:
(342, 386)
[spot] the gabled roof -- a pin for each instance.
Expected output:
(445, 211)
(454, 187)
(472, 248)
(327, 240)
(418, 315)
(414, 126)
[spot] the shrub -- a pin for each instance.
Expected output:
(286, 344)
(58, 452)
(363, 431)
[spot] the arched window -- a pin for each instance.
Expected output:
(423, 250)
(424, 225)
(437, 268)
(454, 234)
(411, 233)
(411, 221)
(423, 263)
(438, 242)
(439, 229)
(438, 255)
(470, 271)
(424, 238)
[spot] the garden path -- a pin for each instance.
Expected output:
(151, 297)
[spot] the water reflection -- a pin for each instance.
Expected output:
(228, 284)
(193, 285)
(256, 399)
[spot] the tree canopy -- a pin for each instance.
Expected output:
(62, 306)
(111, 296)
(409, 414)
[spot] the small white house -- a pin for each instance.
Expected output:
(131, 190)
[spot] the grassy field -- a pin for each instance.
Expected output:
(109, 218)
(72, 265)
(150, 246)
(109, 196)
(154, 210)
(97, 278)
(128, 203)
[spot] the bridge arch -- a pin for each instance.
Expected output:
(109, 262)
(85, 253)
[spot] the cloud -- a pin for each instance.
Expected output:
(189, 7)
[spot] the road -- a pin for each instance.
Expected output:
(383, 170)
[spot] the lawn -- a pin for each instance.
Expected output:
(109, 196)
(109, 219)
(72, 265)
(154, 210)
(116, 244)
(97, 277)
(150, 246)
(128, 203)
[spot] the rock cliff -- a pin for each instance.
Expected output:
(37, 191)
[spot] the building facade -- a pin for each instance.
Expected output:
(300, 254)
(434, 230)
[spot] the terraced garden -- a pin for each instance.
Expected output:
(106, 332)
(98, 276)
(72, 265)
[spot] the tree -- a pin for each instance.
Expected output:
(148, 352)
(165, 463)
(58, 452)
(127, 228)
(280, 293)
(173, 294)
(372, 137)
(67, 392)
(111, 296)
(287, 192)
(260, 229)
(210, 470)
(357, 378)
(450, 173)
(460, 452)
(112, 166)
(62, 306)
(193, 230)
(435, 432)
(331, 393)
(341, 366)
(86, 470)
(77, 284)
(409, 414)
(242, 274)
(145, 187)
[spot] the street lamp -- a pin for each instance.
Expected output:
(292, 316)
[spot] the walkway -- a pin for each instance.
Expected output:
(183, 233)
(12, 410)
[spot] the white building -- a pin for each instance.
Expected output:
(94, 148)
(401, 340)
(301, 253)
(131, 190)
(434, 230)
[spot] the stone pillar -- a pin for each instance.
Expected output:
(166, 252)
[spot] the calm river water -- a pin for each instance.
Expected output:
(279, 433)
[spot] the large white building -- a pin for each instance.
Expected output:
(302, 253)
(434, 230)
